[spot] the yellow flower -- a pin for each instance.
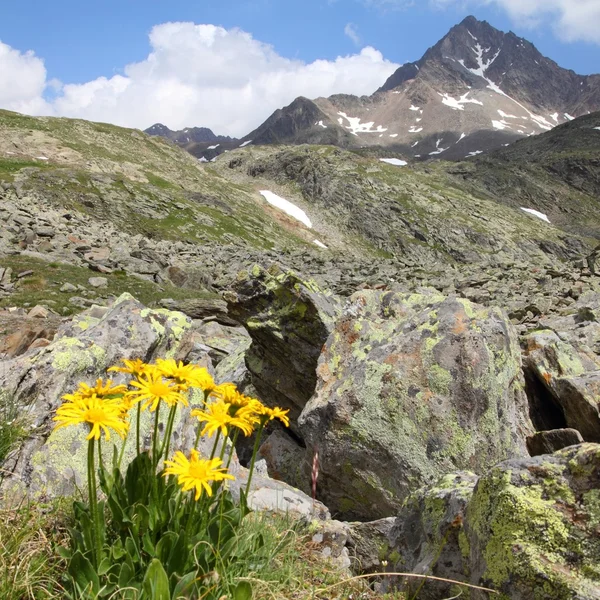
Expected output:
(229, 394)
(217, 416)
(134, 367)
(196, 473)
(186, 376)
(153, 389)
(100, 390)
(98, 413)
(267, 414)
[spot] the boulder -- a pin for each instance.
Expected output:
(52, 463)
(533, 527)
(428, 537)
(547, 442)
(528, 529)
(570, 376)
(288, 320)
(410, 387)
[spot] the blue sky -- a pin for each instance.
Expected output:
(80, 42)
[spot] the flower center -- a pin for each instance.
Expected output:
(95, 415)
(197, 471)
(159, 389)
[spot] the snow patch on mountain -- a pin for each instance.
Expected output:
(245, 144)
(355, 126)
(394, 161)
(287, 207)
(415, 129)
(320, 244)
(458, 104)
(438, 150)
(536, 213)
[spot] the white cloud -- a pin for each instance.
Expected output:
(22, 80)
(571, 20)
(196, 75)
(351, 31)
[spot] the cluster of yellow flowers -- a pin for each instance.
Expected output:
(107, 406)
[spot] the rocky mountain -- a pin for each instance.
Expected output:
(432, 328)
(477, 89)
(199, 141)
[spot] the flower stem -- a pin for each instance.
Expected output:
(167, 439)
(233, 443)
(155, 438)
(212, 454)
(137, 428)
(254, 453)
(122, 453)
(93, 500)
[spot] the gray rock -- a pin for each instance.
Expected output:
(288, 320)
(68, 287)
(547, 442)
(412, 386)
(98, 282)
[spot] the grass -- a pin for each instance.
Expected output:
(10, 166)
(12, 427)
(43, 285)
(30, 569)
(288, 567)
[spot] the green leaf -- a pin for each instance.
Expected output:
(156, 582)
(165, 546)
(184, 587)
(243, 591)
(138, 478)
(83, 573)
(125, 575)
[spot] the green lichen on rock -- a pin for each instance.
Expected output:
(530, 538)
(411, 387)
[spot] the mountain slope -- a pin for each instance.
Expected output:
(477, 89)
(557, 173)
(79, 197)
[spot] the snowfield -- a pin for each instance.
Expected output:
(536, 213)
(287, 207)
(394, 161)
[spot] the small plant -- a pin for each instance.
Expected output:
(12, 427)
(173, 529)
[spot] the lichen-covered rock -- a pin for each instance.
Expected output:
(286, 460)
(51, 462)
(289, 320)
(533, 527)
(571, 377)
(369, 544)
(428, 537)
(410, 387)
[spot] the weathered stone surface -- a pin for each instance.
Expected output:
(53, 462)
(412, 386)
(529, 528)
(288, 320)
(548, 442)
(369, 544)
(571, 377)
(533, 527)
(286, 460)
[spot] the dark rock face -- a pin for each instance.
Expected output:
(571, 376)
(412, 386)
(288, 320)
(186, 136)
(302, 122)
(547, 442)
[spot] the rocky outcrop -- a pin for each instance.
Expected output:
(528, 529)
(52, 463)
(412, 386)
(289, 321)
(428, 536)
(546, 508)
(570, 376)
